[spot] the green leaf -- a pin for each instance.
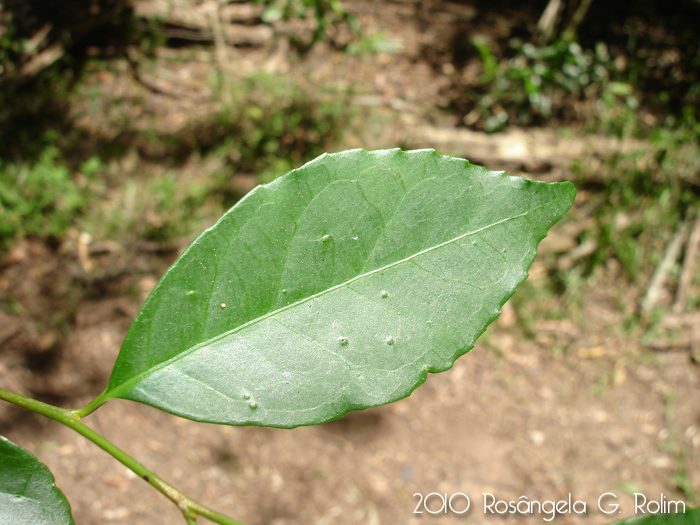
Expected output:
(337, 287)
(28, 495)
(272, 14)
(691, 516)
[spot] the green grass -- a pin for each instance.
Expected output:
(643, 199)
(161, 207)
(42, 199)
(271, 126)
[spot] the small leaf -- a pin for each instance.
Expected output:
(272, 14)
(28, 495)
(337, 287)
(691, 516)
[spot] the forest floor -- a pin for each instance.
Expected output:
(563, 397)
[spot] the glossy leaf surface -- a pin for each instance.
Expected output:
(336, 287)
(691, 516)
(28, 495)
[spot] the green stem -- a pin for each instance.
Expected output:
(70, 418)
(90, 407)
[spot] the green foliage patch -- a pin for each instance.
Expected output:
(273, 124)
(538, 83)
(326, 15)
(640, 199)
(42, 199)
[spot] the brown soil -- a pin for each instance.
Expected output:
(576, 405)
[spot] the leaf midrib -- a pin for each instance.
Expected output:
(124, 386)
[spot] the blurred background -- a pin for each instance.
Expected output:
(128, 126)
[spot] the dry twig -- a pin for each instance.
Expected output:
(659, 277)
(691, 254)
(41, 61)
(221, 50)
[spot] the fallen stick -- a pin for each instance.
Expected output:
(41, 61)
(665, 345)
(221, 51)
(532, 149)
(659, 277)
(691, 254)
